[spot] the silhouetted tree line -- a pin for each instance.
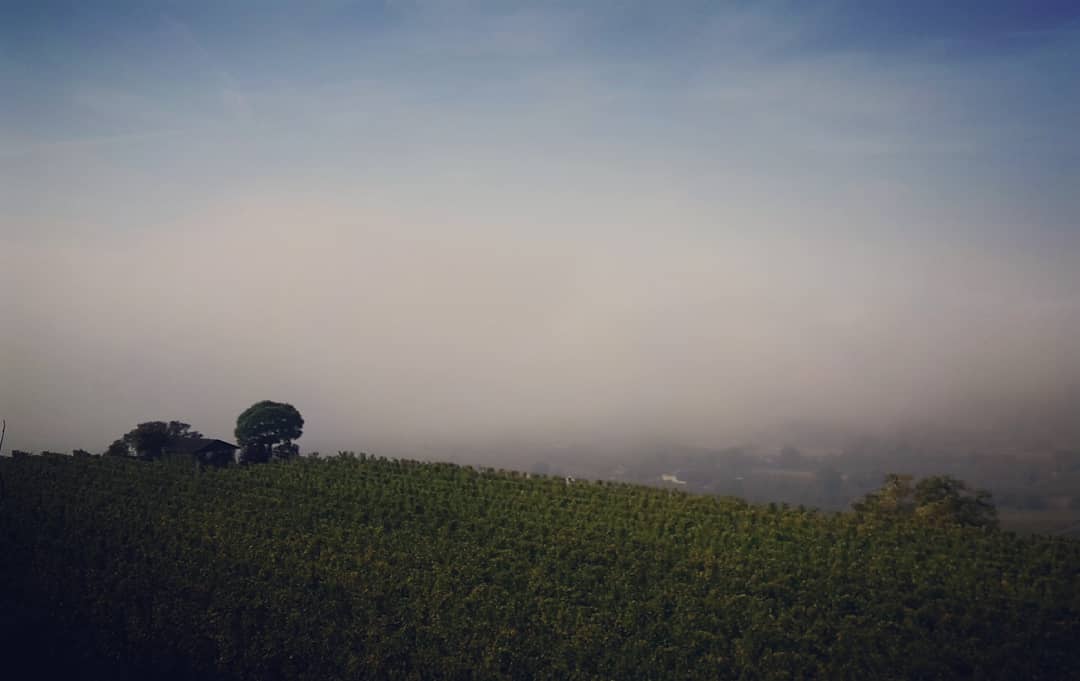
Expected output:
(265, 431)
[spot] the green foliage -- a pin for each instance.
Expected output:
(266, 430)
(936, 500)
(895, 498)
(147, 440)
(366, 568)
(942, 500)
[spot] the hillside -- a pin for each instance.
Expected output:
(374, 568)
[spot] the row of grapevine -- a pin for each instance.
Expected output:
(376, 568)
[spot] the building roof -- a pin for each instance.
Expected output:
(197, 445)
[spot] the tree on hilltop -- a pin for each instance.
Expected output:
(937, 500)
(147, 440)
(266, 431)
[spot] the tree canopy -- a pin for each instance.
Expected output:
(147, 440)
(266, 430)
(935, 500)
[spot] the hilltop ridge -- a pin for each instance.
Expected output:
(375, 568)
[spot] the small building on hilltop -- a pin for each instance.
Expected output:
(672, 478)
(209, 451)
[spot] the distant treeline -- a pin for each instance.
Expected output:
(832, 480)
(359, 567)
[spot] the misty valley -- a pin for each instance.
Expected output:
(1036, 491)
(634, 340)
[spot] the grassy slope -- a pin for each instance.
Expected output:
(378, 569)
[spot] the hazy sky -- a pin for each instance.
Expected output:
(419, 221)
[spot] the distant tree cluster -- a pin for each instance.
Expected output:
(265, 431)
(937, 500)
(147, 440)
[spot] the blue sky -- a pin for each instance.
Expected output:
(895, 180)
(980, 90)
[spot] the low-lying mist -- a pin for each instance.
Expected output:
(608, 319)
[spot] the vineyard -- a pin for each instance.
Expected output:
(372, 568)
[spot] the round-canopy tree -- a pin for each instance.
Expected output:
(266, 430)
